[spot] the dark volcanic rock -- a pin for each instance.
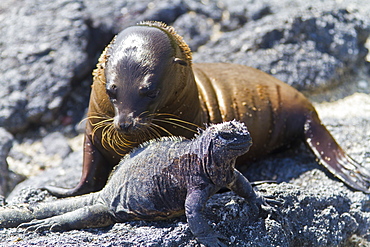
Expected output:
(113, 16)
(48, 49)
(195, 35)
(66, 175)
(43, 49)
(324, 217)
(307, 47)
(56, 143)
(6, 142)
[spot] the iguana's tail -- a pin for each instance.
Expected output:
(14, 215)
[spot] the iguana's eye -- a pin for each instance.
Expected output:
(227, 136)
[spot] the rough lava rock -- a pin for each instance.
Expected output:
(48, 50)
(309, 47)
(6, 141)
(43, 50)
(56, 143)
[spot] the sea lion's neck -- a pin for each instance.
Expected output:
(208, 96)
(184, 101)
(191, 101)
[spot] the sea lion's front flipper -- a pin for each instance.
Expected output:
(332, 156)
(95, 173)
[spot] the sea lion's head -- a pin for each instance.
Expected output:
(142, 72)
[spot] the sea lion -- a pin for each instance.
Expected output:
(146, 86)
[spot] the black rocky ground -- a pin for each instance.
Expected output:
(48, 50)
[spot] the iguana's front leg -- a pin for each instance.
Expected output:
(194, 204)
(242, 187)
(97, 215)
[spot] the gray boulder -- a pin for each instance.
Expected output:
(43, 50)
(308, 47)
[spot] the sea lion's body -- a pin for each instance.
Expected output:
(273, 111)
(145, 77)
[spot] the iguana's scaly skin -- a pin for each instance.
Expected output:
(159, 180)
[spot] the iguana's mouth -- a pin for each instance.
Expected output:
(241, 145)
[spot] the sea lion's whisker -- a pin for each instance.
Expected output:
(120, 144)
(121, 141)
(183, 121)
(176, 124)
(142, 137)
(147, 130)
(109, 121)
(105, 137)
(152, 133)
(94, 130)
(124, 140)
(162, 128)
(113, 144)
(92, 114)
(98, 125)
(144, 112)
(106, 119)
(173, 117)
(155, 133)
(97, 117)
(110, 134)
(146, 133)
(163, 114)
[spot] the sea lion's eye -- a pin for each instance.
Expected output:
(180, 61)
(152, 94)
(111, 91)
(146, 91)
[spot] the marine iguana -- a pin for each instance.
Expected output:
(159, 180)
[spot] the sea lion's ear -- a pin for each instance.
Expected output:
(180, 61)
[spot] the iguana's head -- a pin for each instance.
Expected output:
(221, 144)
(229, 139)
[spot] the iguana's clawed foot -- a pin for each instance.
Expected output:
(265, 205)
(213, 240)
(49, 224)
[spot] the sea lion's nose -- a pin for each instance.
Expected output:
(124, 122)
(126, 127)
